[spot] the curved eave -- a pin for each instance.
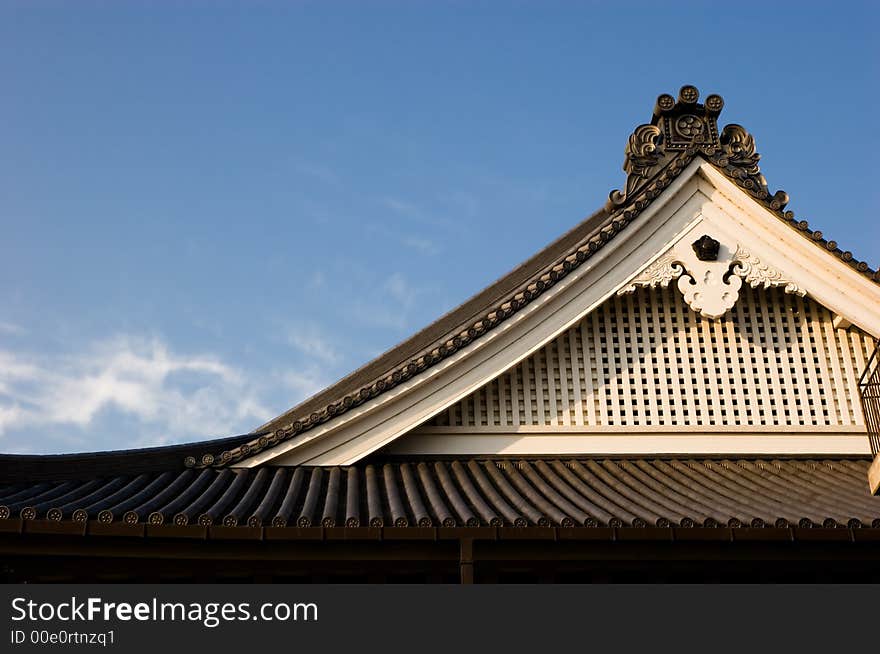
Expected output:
(41, 467)
(472, 493)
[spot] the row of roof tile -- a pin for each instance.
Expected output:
(563, 492)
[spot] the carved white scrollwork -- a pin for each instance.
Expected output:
(707, 286)
(710, 274)
(757, 273)
(710, 292)
(659, 273)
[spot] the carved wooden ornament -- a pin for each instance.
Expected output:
(710, 274)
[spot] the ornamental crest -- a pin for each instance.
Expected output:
(678, 131)
(676, 126)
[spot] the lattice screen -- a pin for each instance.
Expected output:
(647, 359)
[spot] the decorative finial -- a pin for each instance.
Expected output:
(679, 130)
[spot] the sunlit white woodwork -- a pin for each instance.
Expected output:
(647, 359)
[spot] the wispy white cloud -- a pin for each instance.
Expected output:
(317, 280)
(401, 290)
(401, 206)
(422, 245)
(182, 395)
(11, 328)
(464, 204)
(311, 341)
(392, 305)
(304, 383)
(317, 171)
(414, 213)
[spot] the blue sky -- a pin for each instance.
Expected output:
(209, 211)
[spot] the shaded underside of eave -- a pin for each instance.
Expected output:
(471, 493)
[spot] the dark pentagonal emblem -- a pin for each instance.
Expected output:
(706, 248)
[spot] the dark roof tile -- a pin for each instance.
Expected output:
(488, 492)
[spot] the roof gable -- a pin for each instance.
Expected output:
(645, 374)
(683, 176)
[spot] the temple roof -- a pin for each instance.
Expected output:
(680, 131)
(567, 493)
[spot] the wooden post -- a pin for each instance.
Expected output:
(466, 560)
